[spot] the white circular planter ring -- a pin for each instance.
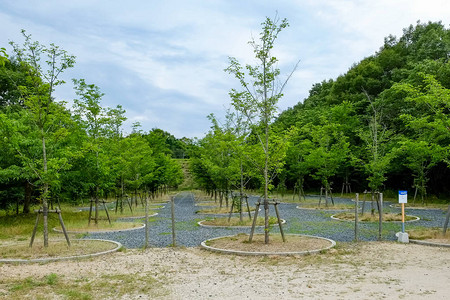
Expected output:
(239, 252)
(46, 260)
(283, 221)
(101, 231)
(337, 219)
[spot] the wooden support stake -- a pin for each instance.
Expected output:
(35, 228)
(356, 217)
(63, 227)
(248, 207)
(231, 211)
(447, 217)
(173, 222)
(107, 213)
(380, 212)
(254, 222)
(279, 221)
(146, 222)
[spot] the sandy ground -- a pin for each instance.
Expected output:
(375, 270)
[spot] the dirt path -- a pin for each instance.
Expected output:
(365, 271)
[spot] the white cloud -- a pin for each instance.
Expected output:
(164, 60)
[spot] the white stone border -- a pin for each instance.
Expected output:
(418, 208)
(337, 219)
(237, 252)
(137, 217)
(283, 221)
(427, 243)
(100, 231)
(227, 214)
(325, 208)
(47, 260)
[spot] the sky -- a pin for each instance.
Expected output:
(164, 61)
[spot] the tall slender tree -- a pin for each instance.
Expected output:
(45, 113)
(260, 95)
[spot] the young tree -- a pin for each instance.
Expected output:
(45, 113)
(260, 95)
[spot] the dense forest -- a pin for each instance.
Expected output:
(382, 126)
(51, 153)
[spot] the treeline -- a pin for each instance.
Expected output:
(51, 153)
(383, 125)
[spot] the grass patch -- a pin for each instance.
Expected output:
(294, 243)
(235, 221)
(442, 206)
(429, 234)
(56, 249)
(315, 205)
(368, 217)
(54, 286)
(223, 210)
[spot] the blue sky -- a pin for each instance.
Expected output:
(163, 61)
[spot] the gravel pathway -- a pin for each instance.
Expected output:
(302, 221)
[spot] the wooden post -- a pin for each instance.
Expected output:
(447, 217)
(146, 222)
(231, 211)
(403, 217)
(320, 197)
(356, 216)
(255, 217)
(173, 222)
(279, 221)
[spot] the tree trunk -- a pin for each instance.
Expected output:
(27, 199)
(45, 191)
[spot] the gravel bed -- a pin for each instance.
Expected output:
(298, 221)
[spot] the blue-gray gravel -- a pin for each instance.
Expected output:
(300, 221)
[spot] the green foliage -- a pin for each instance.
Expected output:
(391, 126)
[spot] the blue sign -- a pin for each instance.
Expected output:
(402, 196)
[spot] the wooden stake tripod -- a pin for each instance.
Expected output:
(374, 194)
(240, 206)
(96, 201)
(45, 214)
(327, 190)
(119, 203)
(255, 217)
(346, 187)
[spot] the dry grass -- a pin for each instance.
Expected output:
(103, 225)
(322, 206)
(235, 221)
(419, 205)
(430, 234)
(57, 248)
(293, 243)
(223, 210)
(368, 217)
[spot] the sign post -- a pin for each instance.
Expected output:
(402, 199)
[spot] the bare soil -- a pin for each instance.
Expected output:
(374, 270)
(294, 243)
